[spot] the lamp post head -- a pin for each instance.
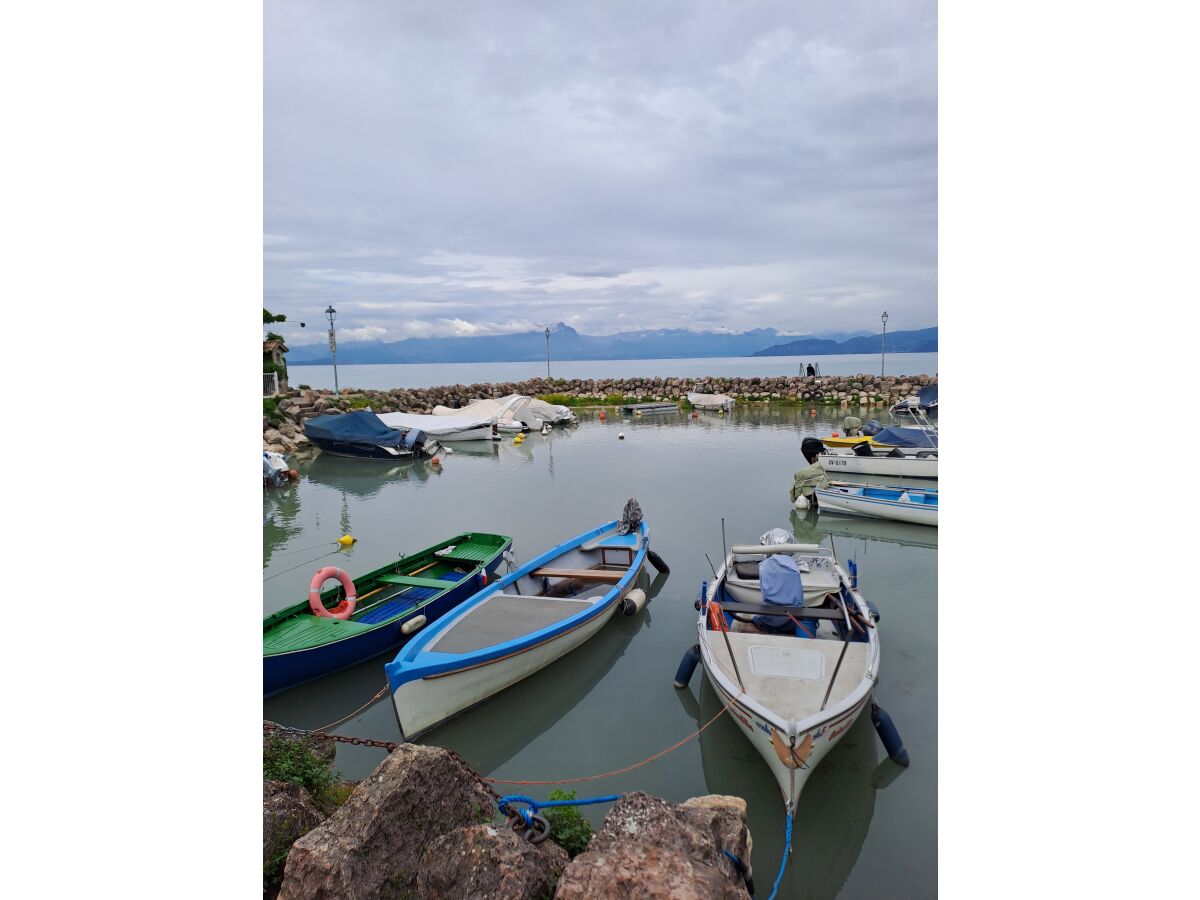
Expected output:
(331, 312)
(547, 332)
(885, 317)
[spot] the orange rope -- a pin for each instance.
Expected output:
(637, 765)
(382, 691)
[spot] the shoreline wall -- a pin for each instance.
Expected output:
(285, 435)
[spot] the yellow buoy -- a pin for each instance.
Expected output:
(345, 540)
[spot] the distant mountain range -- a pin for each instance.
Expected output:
(924, 340)
(568, 344)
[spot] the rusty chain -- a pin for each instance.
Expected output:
(389, 746)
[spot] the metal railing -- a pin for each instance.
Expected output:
(270, 384)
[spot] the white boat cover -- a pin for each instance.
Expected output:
(437, 426)
(709, 401)
(551, 412)
(507, 411)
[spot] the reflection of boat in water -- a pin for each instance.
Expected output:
(499, 728)
(813, 527)
(364, 481)
(833, 814)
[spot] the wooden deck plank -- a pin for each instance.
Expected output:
(581, 574)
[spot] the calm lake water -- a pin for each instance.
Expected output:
(436, 374)
(864, 827)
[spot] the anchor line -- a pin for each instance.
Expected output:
(392, 745)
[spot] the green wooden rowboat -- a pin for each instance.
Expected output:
(299, 646)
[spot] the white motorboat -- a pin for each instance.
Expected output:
(897, 462)
(792, 695)
(710, 402)
(512, 413)
(900, 504)
(445, 428)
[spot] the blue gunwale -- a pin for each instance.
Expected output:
(875, 490)
(415, 662)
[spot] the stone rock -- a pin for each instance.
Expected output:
(489, 861)
(288, 814)
(271, 436)
(654, 849)
(372, 846)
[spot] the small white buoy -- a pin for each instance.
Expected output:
(414, 624)
(801, 502)
(633, 602)
(620, 436)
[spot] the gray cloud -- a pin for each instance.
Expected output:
(483, 167)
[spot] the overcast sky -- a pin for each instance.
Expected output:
(482, 167)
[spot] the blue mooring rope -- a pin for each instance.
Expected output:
(787, 849)
(534, 805)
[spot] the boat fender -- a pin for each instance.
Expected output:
(687, 665)
(620, 435)
(658, 562)
(633, 602)
(344, 609)
(416, 623)
(801, 502)
(483, 579)
(886, 729)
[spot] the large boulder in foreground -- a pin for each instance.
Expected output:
(651, 848)
(372, 846)
(288, 813)
(489, 861)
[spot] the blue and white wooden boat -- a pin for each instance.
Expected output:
(516, 626)
(900, 504)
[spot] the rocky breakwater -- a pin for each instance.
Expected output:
(423, 824)
(283, 429)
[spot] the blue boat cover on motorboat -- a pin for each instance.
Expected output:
(359, 427)
(928, 396)
(907, 437)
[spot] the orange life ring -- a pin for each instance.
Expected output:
(344, 609)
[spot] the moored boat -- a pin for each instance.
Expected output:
(907, 440)
(710, 402)
(516, 626)
(363, 435)
(889, 463)
(304, 642)
(446, 429)
(900, 504)
(793, 696)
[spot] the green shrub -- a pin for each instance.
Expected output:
(569, 829)
(271, 410)
(297, 762)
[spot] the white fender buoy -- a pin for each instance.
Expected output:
(416, 623)
(620, 436)
(801, 502)
(633, 602)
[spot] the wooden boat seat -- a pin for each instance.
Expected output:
(581, 574)
(411, 581)
(770, 609)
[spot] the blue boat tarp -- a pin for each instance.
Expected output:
(927, 396)
(360, 427)
(906, 437)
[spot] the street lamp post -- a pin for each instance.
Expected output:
(331, 312)
(547, 352)
(882, 347)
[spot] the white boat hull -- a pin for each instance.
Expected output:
(756, 728)
(888, 466)
(426, 702)
(896, 511)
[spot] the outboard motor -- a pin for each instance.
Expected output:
(414, 440)
(872, 427)
(863, 448)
